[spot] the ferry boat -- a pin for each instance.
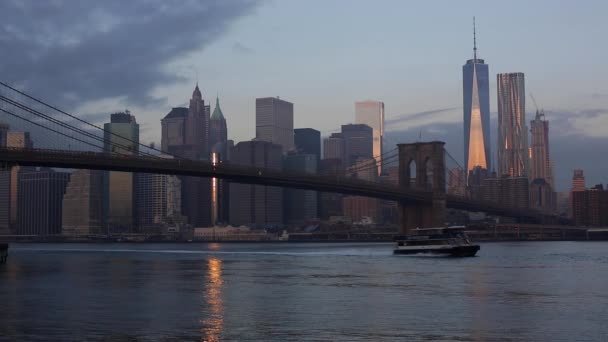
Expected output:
(449, 241)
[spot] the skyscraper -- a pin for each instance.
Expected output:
(333, 147)
(218, 131)
(197, 127)
(540, 162)
(476, 105)
(82, 204)
(274, 122)
(300, 205)
(186, 133)
(218, 140)
(358, 142)
(371, 113)
(256, 205)
(40, 201)
(158, 202)
(512, 132)
(578, 180)
(173, 135)
(118, 187)
(308, 141)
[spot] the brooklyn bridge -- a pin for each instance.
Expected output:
(63, 140)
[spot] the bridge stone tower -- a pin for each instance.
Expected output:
(422, 168)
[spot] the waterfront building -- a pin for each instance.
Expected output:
(158, 202)
(388, 211)
(121, 136)
(510, 192)
(371, 113)
(40, 201)
(590, 207)
(82, 204)
(513, 155)
(256, 205)
(308, 141)
(300, 205)
(358, 143)
(274, 122)
(16, 140)
(330, 203)
(476, 106)
(542, 196)
(578, 184)
(5, 182)
(358, 207)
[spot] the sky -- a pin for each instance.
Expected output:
(95, 58)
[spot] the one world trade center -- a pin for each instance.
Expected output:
(476, 104)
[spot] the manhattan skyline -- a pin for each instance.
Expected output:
(408, 57)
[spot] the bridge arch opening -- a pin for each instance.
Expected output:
(412, 173)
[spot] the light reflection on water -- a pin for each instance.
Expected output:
(213, 323)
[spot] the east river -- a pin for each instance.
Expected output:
(528, 291)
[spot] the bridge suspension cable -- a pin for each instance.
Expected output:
(65, 125)
(3, 84)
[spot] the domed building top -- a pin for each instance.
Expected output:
(217, 112)
(197, 93)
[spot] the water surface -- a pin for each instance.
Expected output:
(535, 291)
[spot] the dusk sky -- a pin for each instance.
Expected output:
(94, 58)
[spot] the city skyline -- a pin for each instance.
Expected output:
(431, 104)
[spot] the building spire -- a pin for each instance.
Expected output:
(474, 43)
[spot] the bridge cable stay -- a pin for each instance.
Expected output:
(372, 163)
(67, 126)
(84, 121)
(48, 128)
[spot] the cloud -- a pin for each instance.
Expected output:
(71, 51)
(414, 116)
(241, 48)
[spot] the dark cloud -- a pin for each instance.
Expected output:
(75, 51)
(413, 116)
(568, 151)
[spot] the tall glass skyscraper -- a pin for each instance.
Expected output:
(371, 113)
(121, 137)
(513, 153)
(476, 104)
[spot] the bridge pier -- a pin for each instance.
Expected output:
(422, 168)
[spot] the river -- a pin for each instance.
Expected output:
(517, 291)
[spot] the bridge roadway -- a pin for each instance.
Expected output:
(244, 174)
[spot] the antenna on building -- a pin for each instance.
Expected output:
(474, 42)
